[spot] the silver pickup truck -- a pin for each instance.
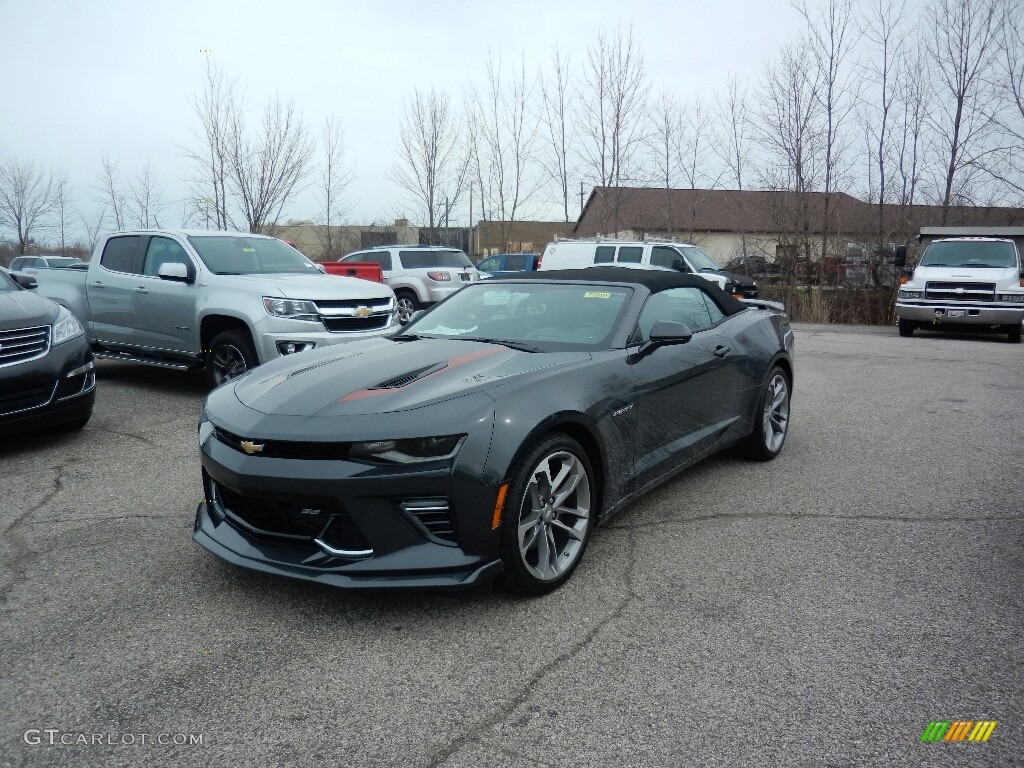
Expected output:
(224, 300)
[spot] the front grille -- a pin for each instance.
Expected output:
(287, 449)
(326, 305)
(960, 291)
(434, 515)
(20, 345)
(748, 291)
(354, 324)
(23, 401)
(275, 519)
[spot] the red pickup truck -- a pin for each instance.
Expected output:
(364, 271)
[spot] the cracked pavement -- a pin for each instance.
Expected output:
(818, 610)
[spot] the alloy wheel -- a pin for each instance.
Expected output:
(228, 362)
(554, 516)
(776, 413)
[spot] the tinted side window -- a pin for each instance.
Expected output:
(119, 253)
(631, 254)
(679, 305)
(379, 257)
(604, 254)
(664, 256)
(17, 264)
(717, 315)
(489, 264)
(356, 257)
(515, 262)
(432, 259)
(163, 250)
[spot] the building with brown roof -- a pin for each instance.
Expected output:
(730, 223)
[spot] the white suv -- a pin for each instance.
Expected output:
(420, 275)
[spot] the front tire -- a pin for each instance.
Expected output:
(550, 513)
(230, 355)
(907, 327)
(1013, 334)
(771, 420)
(408, 304)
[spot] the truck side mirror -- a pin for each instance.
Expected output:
(27, 282)
(175, 271)
(901, 256)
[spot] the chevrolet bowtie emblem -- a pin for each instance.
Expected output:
(250, 447)
(363, 312)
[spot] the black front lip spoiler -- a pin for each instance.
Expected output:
(206, 535)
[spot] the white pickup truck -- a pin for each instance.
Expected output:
(224, 300)
(965, 277)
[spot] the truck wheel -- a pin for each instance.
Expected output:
(230, 355)
(907, 327)
(407, 305)
(1013, 334)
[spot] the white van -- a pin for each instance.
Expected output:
(649, 254)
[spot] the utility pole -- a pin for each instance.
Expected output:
(471, 219)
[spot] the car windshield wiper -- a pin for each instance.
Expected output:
(406, 337)
(707, 269)
(503, 342)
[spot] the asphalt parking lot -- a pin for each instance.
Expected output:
(818, 610)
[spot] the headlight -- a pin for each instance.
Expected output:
(408, 451)
(1016, 298)
(66, 328)
(293, 309)
(910, 294)
(206, 429)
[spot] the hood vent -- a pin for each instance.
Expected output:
(409, 377)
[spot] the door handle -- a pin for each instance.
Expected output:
(97, 283)
(722, 350)
(142, 289)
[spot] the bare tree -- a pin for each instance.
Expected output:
(831, 32)
(145, 199)
(663, 140)
(613, 113)
(61, 207)
(92, 226)
(914, 100)
(504, 133)
(963, 44)
(732, 144)
(26, 199)
(336, 175)
(217, 109)
(432, 165)
(1010, 81)
(266, 170)
(111, 194)
(557, 106)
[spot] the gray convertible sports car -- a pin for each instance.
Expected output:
(492, 434)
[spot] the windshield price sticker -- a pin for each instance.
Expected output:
(597, 295)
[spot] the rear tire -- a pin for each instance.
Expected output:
(230, 355)
(907, 327)
(1013, 334)
(550, 512)
(771, 419)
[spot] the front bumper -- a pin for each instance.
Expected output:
(270, 332)
(48, 391)
(344, 523)
(973, 314)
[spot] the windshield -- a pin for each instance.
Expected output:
(7, 283)
(429, 259)
(699, 259)
(970, 253)
(534, 316)
(251, 256)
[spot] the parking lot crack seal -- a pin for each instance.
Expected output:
(478, 730)
(22, 553)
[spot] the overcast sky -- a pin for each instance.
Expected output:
(80, 79)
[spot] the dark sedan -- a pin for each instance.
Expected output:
(46, 369)
(491, 435)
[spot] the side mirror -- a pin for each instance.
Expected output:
(174, 270)
(666, 333)
(27, 282)
(901, 256)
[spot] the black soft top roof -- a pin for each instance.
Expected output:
(654, 280)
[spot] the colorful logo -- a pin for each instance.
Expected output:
(958, 730)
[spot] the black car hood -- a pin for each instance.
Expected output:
(382, 376)
(23, 309)
(732, 277)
